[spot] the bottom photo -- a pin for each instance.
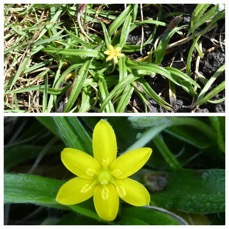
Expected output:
(128, 170)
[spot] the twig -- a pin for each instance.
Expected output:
(142, 38)
(82, 8)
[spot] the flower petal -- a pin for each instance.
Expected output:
(104, 143)
(118, 49)
(115, 59)
(120, 55)
(109, 58)
(75, 191)
(130, 162)
(106, 201)
(132, 192)
(80, 163)
(107, 52)
(111, 48)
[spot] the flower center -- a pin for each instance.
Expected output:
(104, 177)
(115, 53)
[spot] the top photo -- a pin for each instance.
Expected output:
(114, 58)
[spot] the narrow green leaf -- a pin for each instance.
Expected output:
(23, 188)
(161, 48)
(125, 31)
(77, 85)
(20, 70)
(103, 89)
(119, 20)
(202, 98)
(149, 216)
(106, 35)
(73, 52)
(70, 131)
(45, 95)
(166, 153)
(191, 136)
(158, 124)
(218, 124)
(125, 98)
(120, 86)
(148, 90)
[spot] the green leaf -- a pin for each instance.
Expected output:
(77, 85)
(119, 20)
(191, 136)
(23, 188)
(73, 52)
(70, 130)
(120, 87)
(158, 124)
(203, 96)
(125, 31)
(148, 90)
(106, 35)
(161, 48)
(13, 155)
(166, 153)
(218, 124)
(103, 91)
(194, 191)
(149, 216)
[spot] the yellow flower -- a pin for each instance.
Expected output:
(113, 53)
(104, 177)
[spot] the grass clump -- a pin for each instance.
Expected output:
(55, 60)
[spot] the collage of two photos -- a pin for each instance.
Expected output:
(114, 114)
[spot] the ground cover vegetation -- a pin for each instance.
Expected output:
(114, 58)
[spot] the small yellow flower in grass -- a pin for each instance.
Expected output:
(113, 53)
(104, 176)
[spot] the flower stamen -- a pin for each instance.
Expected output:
(116, 172)
(105, 162)
(121, 191)
(90, 172)
(105, 193)
(104, 177)
(86, 188)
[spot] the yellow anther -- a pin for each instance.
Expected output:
(90, 172)
(105, 162)
(85, 188)
(121, 191)
(105, 193)
(116, 172)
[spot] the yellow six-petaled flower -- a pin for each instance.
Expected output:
(104, 177)
(113, 53)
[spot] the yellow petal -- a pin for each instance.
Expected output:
(107, 52)
(111, 48)
(106, 201)
(130, 162)
(132, 192)
(118, 49)
(109, 58)
(120, 55)
(115, 59)
(75, 191)
(80, 163)
(104, 143)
